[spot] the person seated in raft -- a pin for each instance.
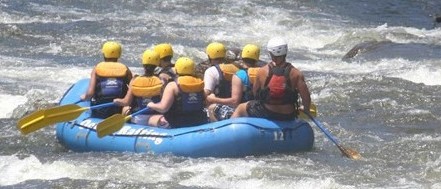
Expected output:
(142, 90)
(241, 86)
(108, 80)
(217, 79)
(165, 70)
(277, 88)
(182, 102)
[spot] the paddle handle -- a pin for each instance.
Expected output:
(102, 105)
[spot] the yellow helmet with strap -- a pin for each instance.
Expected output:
(216, 50)
(251, 51)
(185, 66)
(164, 50)
(111, 49)
(150, 57)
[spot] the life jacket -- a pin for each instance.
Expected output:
(226, 72)
(252, 74)
(112, 81)
(247, 77)
(187, 109)
(277, 88)
(145, 89)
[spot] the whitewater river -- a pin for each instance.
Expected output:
(383, 100)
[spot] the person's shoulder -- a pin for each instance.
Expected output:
(211, 69)
(171, 85)
(265, 67)
(296, 73)
(293, 68)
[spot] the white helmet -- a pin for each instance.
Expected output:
(277, 46)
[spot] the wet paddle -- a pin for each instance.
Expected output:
(350, 153)
(46, 117)
(115, 123)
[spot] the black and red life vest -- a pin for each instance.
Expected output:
(277, 88)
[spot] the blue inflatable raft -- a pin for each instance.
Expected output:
(229, 138)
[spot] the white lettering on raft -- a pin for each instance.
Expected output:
(89, 124)
(126, 130)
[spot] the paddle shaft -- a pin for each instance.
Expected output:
(139, 112)
(319, 125)
(136, 113)
(102, 105)
(350, 153)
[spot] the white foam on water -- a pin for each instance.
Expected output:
(425, 72)
(46, 75)
(240, 173)
(9, 103)
(421, 74)
(15, 170)
(219, 173)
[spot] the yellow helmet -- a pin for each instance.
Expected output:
(216, 50)
(164, 50)
(111, 49)
(185, 66)
(251, 51)
(150, 57)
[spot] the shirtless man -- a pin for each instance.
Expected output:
(277, 88)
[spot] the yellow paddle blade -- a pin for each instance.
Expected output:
(31, 122)
(42, 118)
(111, 125)
(312, 110)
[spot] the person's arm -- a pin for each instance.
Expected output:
(91, 88)
(167, 99)
(129, 74)
(209, 80)
(302, 88)
(236, 94)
